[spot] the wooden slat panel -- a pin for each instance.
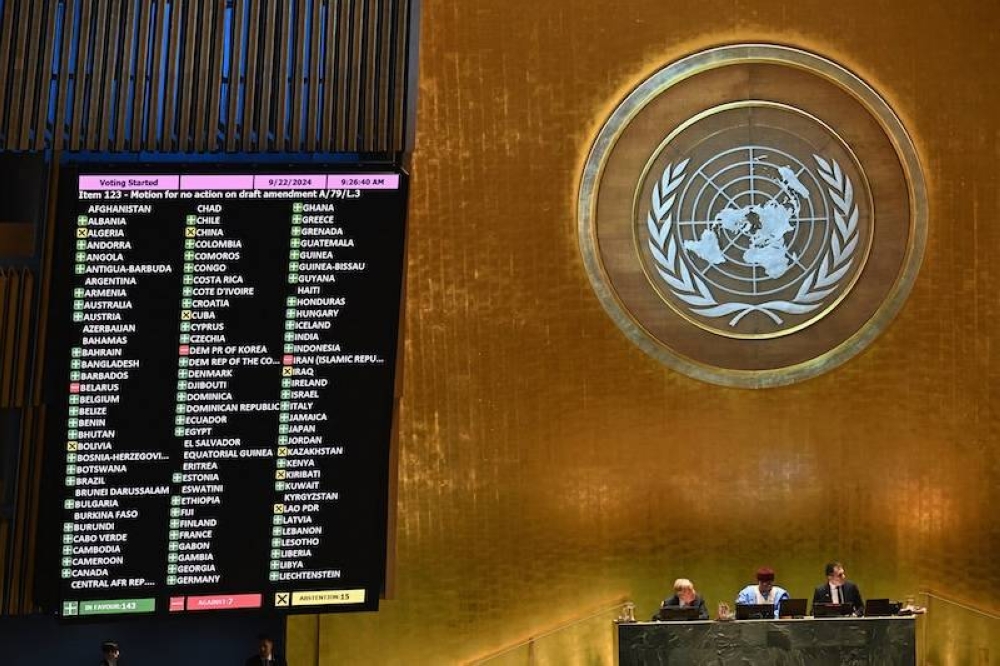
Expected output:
(131, 136)
(284, 28)
(358, 52)
(253, 53)
(338, 85)
(382, 95)
(218, 50)
(80, 81)
(168, 143)
(30, 98)
(330, 80)
(93, 107)
(4, 549)
(152, 109)
(369, 97)
(358, 45)
(111, 45)
(63, 86)
(299, 77)
(312, 112)
(127, 87)
(22, 343)
(272, 11)
(342, 74)
(15, 327)
(45, 79)
(7, 309)
(31, 483)
(233, 119)
(17, 76)
(400, 80)
(204, 81)
(25, 524)
(7, 29)
(185, 129)
(41, 327)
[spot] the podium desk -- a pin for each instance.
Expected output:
(882, 641)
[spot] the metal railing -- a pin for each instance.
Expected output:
(957, 633)
(568, 642)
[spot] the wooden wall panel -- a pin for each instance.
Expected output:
(203, 75)
(17, 287)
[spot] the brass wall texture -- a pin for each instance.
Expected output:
(548, 466)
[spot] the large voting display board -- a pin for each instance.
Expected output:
(220, 360)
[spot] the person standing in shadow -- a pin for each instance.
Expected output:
(110, 652)
(265, 654)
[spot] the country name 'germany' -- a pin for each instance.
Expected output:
(197, 580)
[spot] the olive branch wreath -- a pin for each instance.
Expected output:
(692, 289)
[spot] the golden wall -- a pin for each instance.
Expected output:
(548, 467)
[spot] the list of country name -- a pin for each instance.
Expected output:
(205, 447)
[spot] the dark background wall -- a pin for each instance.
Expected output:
(219, 641)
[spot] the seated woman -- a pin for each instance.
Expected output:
(685, 596)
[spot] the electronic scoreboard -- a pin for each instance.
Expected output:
(220, 388)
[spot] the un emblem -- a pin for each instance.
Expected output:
(752, 215)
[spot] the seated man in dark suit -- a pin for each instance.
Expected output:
(839, 590)
(265, 654)
(684, 597)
